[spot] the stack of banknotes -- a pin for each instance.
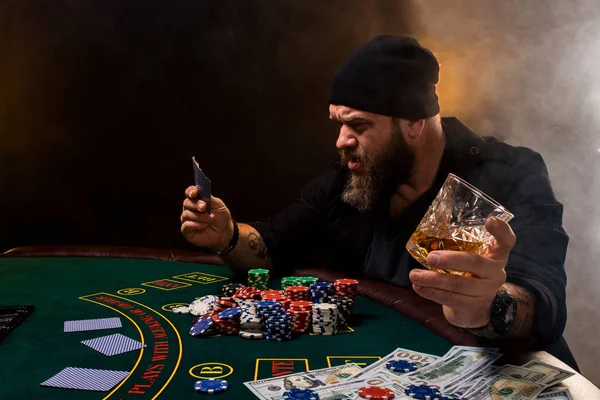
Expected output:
(462, 373)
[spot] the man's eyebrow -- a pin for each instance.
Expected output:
(351, 120)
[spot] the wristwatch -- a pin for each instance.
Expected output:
(502, 316)
(232, 244)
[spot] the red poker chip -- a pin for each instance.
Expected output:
(301, 305)
(375, 393)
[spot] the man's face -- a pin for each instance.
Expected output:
(375, 151)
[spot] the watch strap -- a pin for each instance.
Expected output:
(232, 244)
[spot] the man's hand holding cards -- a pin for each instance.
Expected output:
(205, 220)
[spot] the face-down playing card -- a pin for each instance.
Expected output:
(114, 344)
(99, 380)
(92, 324)
(203, 184)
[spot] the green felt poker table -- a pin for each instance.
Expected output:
(142, 286)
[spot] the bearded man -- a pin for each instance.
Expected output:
(396, 152)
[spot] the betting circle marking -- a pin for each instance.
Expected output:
(131, 291)
(171, 306)
(211, 370)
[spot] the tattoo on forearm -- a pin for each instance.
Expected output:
(258, 244)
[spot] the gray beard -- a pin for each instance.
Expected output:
(360, 192)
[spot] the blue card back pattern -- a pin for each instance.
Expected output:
(203, 184)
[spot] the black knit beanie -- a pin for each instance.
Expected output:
(389, 75)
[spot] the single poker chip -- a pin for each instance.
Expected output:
(300, 394)
(230, 313)
(201, 326)
(422, 392)
(401, 366)
(375, 393)
(251, 334)
(211, 386)
(182, 310)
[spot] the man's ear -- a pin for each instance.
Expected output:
(412, 128)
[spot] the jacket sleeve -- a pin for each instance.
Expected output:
(536, 263)
(296, 233)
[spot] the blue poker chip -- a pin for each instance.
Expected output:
(401, 366)
(201, 327)
(422, 392)
(211, 386)
(230, 313)
(268, 304)
(300, 394)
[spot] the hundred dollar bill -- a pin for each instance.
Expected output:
(421, 359)
(273, 388)
(349, 390)
(454, 349)
(504, 388)
(450, 372)
(553, 374)
(524, 374)
(562, 394)
(473, 383)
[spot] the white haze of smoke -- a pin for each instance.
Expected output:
(529, 72)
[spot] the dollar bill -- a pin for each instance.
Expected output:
(273, 388)
(450, 372)
(521, 373)
(349, 390)
(473, 383)
(562, 394)
(553, 374)
(454, 349)
(502, 387)
(421, 359)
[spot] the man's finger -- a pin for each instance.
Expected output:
(469, 286)
(204, 218)
(504, 238)
(188, 228)
(191, 192)
(448, 299)
(479, 266)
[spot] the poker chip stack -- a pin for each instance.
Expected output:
(229, 289)
(228, 321)
(278, 323)
(259, 279)
(297, 293)
(324, 319)
(346, 287)
(275, 295)
(251, 325)
(321, 291)
(224, 303)
(301, 313)
(297, 281)
(247, 293)
(345, 307)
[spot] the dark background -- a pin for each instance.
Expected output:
(102, 103)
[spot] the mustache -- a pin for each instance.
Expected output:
(347, 155)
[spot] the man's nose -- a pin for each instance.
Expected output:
(346, 139)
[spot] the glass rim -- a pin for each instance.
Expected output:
(480, 193)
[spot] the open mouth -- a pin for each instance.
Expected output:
(354, 163)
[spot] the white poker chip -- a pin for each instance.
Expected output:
(182, 310)
(203, 305)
